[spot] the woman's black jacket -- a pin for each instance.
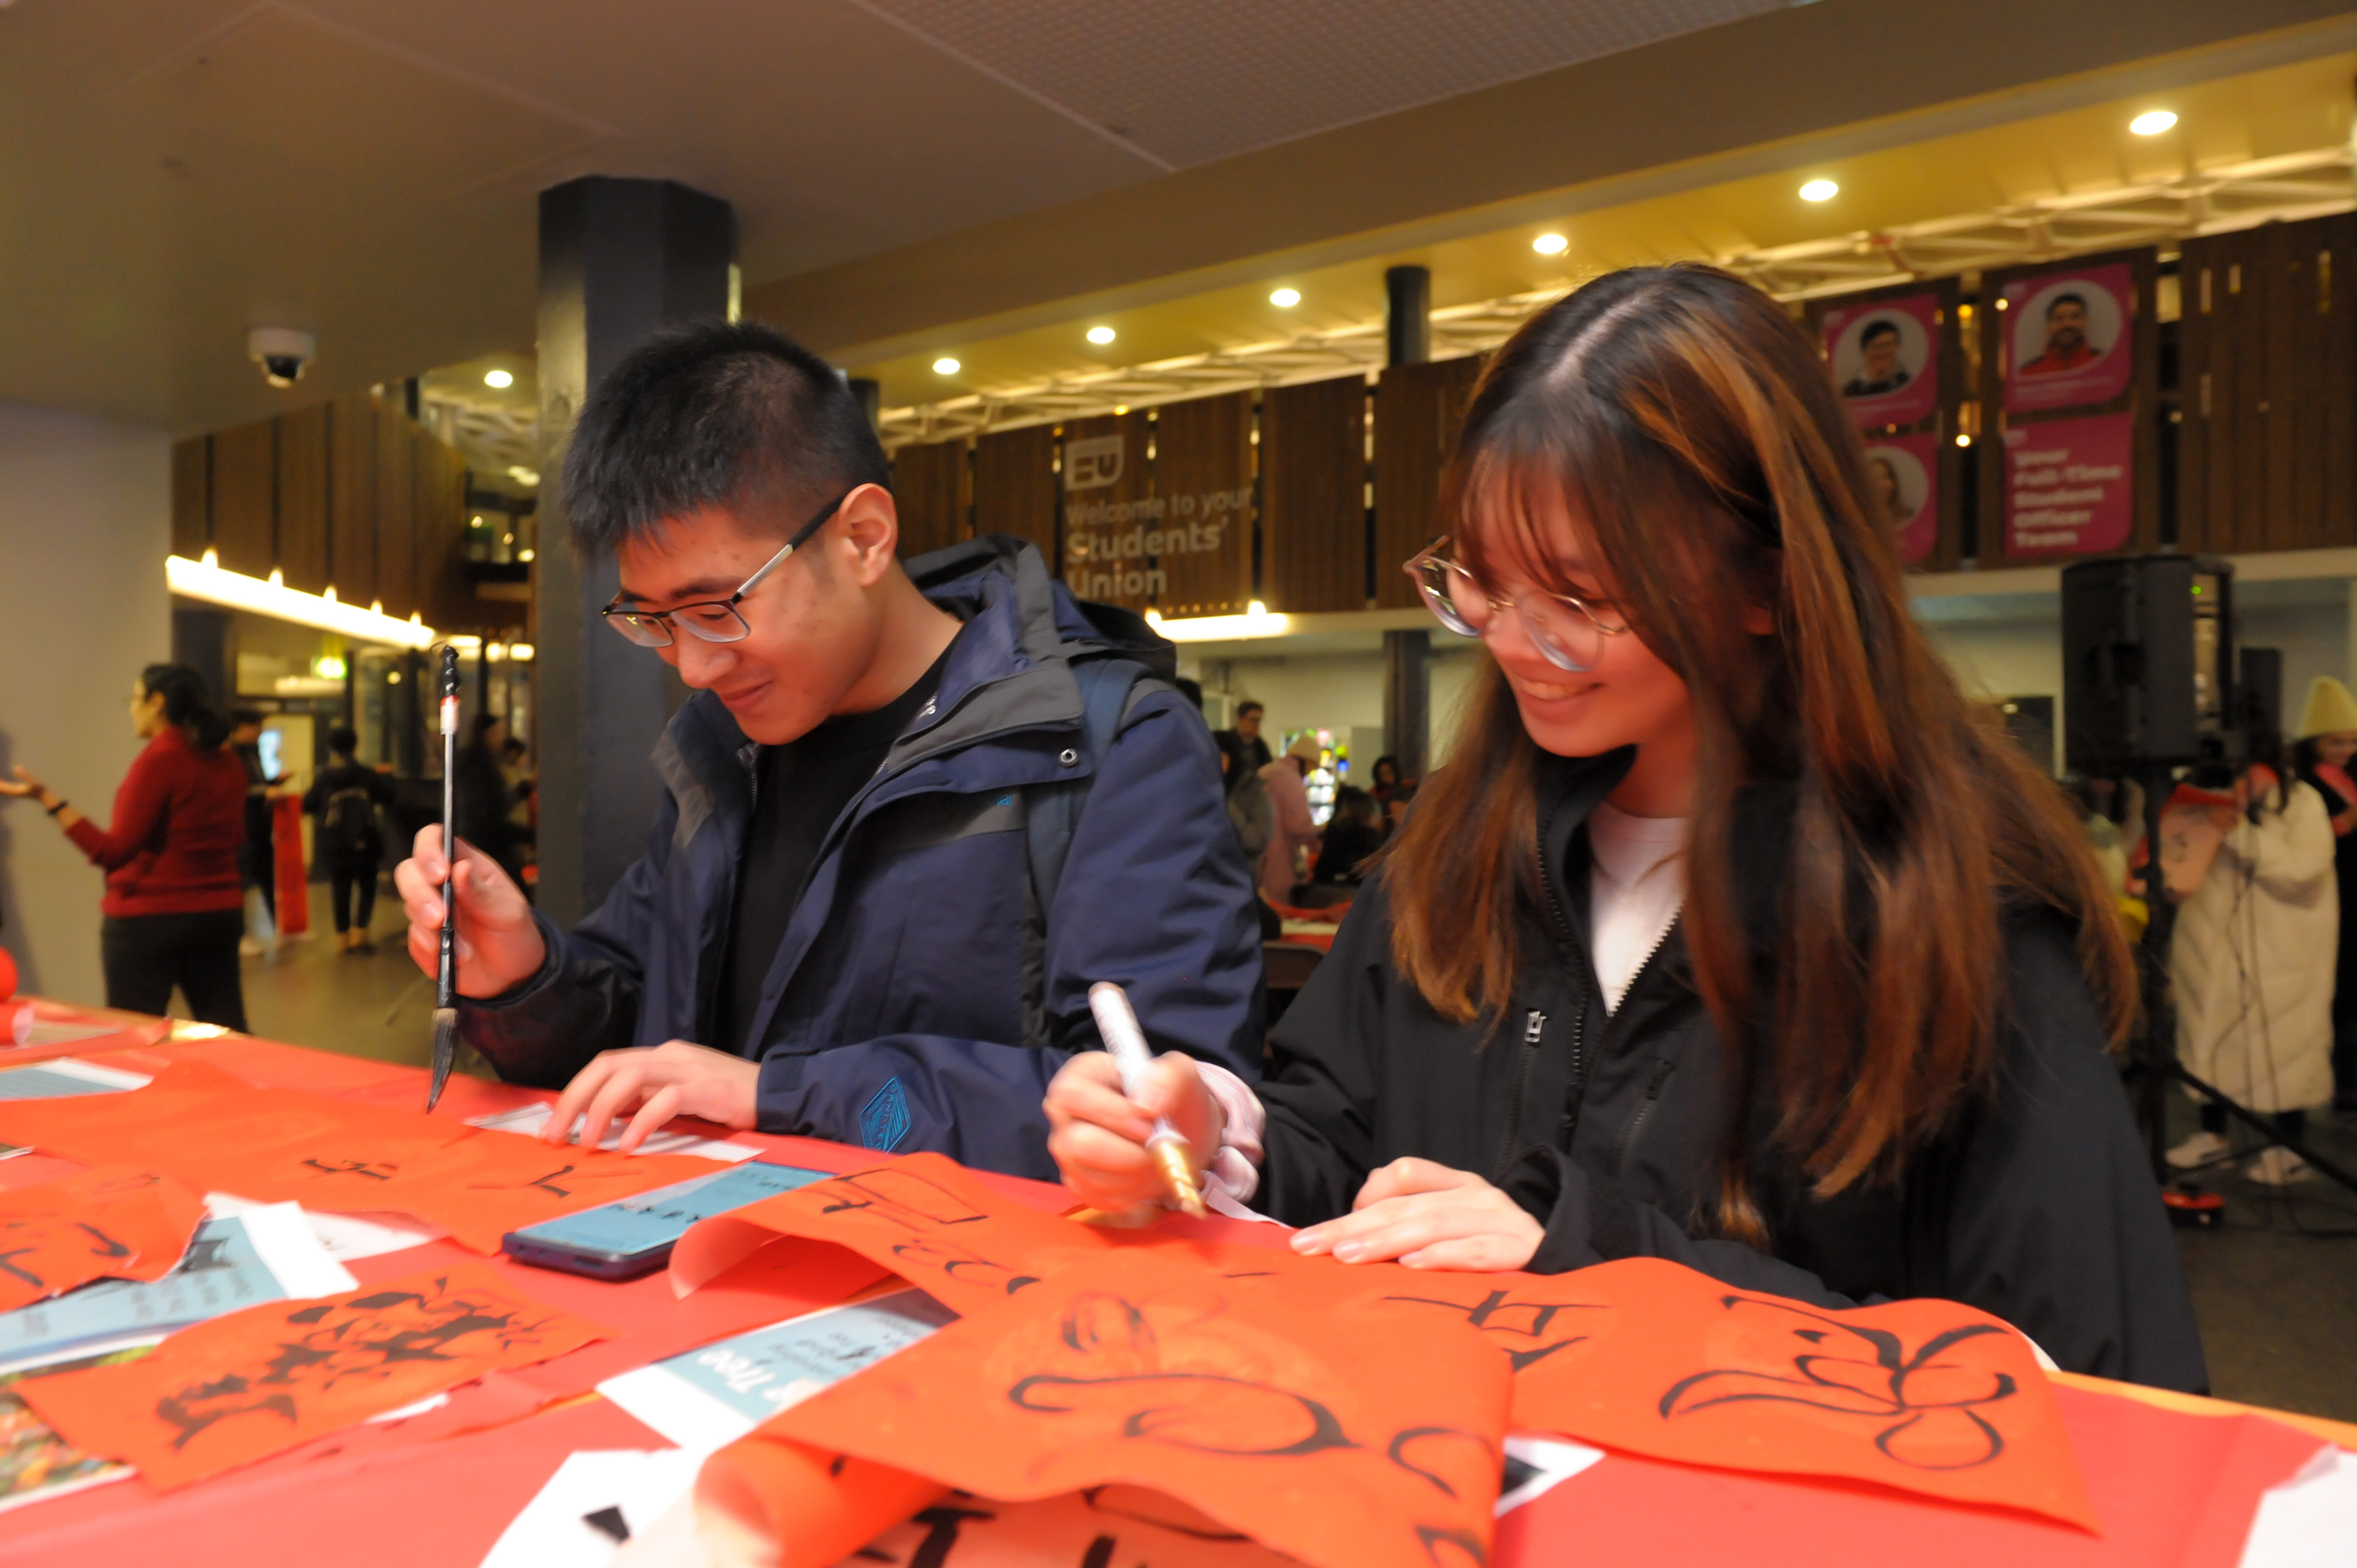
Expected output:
(2035, 1204)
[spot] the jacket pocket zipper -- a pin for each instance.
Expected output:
(1663, 1068)
(1509, 1142)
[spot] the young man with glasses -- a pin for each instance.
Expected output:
(911, 815)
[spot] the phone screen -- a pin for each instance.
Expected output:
(644, 1228)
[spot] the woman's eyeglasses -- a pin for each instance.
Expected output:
(1568, 632)
(711, 620)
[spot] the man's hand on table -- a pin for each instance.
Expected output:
(657, 1083)
(499, 945)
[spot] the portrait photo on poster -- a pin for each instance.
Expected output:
(1885, 358)
(1902, 477)
(2066, 337)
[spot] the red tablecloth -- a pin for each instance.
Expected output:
(2173, 1484)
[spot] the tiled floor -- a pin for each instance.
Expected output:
(2276, 1287)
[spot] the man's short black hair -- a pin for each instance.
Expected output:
(2060, 300)
(1249, 707)
(342, 741)
(1885, 327)
(714, 413)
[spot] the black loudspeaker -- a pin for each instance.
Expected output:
(2148, 661)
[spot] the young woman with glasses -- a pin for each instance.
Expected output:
(1730, 934)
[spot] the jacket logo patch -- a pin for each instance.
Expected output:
(884, 1121)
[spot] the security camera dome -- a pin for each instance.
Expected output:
(283, 352)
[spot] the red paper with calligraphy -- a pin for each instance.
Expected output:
(218, 1133)
(112, 1223)
(1927, 1396)
(259, 1381)
(1343, 1438)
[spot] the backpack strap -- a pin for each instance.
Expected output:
(1111, 687)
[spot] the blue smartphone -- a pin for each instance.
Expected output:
(634, 1236)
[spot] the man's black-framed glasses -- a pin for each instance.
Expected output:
(710, 620)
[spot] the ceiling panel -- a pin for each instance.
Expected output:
(1190, 84)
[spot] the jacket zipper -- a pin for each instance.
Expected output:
(1575, 962)
(1663, 1067)
(1509, 1143)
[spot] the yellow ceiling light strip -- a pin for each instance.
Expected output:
(203, 580)
(1259, 622)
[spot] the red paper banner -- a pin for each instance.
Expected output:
(112, 1223)
(1346, 1438)
(218, 1133)
(258, 1382)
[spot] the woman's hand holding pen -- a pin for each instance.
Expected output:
(1098, 1135)
(499, 945)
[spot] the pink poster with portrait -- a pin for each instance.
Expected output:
(2067, 338)
(1902, 481)
(1885, 355)
(2068, 486)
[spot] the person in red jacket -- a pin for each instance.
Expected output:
(174, 909)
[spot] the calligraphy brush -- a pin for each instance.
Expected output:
(446, 984)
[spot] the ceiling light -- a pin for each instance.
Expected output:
(327, 667)
(945, 366)
(1257, 621)
(521, 651)
(2152, 123)
(522, 475)
(1550, 245)
(1820, 191)
(1286, 299)
(498, 379)
(523, 555)
(1100, 334)
(195, 580)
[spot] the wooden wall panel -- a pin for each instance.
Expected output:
(1107, 525)
(1015, 486)
(1313, 492)
(438, 502)
(397, 528)
(2269, 344)
(1203, 473)
(352, 498)
(1419, 408)
(929, 487)
(244, 473)
(190, 527)
(303, 475)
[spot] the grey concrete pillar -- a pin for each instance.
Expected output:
(619, 259)
(1407, 699)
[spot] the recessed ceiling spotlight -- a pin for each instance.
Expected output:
(1100, 334)
(1550, 245)
(1820, 191)
(498, 379)
(945, 366)
(1286, 298)
(2152, 123)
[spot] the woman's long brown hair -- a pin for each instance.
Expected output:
(1694, 435)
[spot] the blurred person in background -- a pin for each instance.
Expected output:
(1395, 806)
(1251, 815)
(174, 909)
(1384, 780)
(2252, 959)
(343, 802)
(2327, 739)
(1353, 832)
(257, 860)
(1286, 779)
(1248, 721)
(484, 796)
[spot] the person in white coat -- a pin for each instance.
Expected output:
(2252, 966)
(1288, 794)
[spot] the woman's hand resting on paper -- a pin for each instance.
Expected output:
(1097, 1134)
(1427, 1216)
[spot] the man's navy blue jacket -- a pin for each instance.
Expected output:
(894, 1015)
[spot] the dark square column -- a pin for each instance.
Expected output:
(619, 259)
